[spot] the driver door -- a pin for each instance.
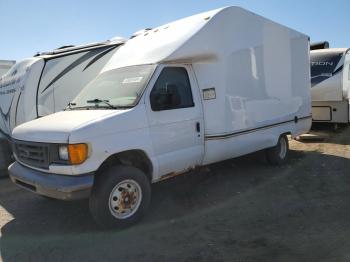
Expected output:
(175, 117)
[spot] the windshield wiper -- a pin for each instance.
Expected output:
(70, 104)
(97, 101)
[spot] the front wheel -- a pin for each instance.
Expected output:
(278, 154)
(120, 197)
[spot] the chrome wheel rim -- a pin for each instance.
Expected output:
(125, 199)
(283, 148)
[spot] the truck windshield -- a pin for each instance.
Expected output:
(117, 88)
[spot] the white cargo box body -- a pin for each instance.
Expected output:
(330, 85)
(257, 70)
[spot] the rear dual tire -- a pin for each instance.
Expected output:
(278, 154)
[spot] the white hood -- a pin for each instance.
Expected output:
(57, 127)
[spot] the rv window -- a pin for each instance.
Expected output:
(172, 90)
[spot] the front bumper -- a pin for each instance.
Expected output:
(56, 186)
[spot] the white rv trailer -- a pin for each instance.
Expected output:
(189, 93)
(5, 65)
(46, 83)
(330, 85)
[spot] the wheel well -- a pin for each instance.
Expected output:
(283, 134)
(136, 158)
(286, 134)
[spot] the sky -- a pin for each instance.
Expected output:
(30, 26)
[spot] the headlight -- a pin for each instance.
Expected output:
(74, 154)
(63, 152)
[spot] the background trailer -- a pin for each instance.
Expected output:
(330, 85)
(5, 65)
(46, 83)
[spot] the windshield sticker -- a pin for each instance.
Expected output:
(132, 80)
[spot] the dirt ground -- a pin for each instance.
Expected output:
(238, 210)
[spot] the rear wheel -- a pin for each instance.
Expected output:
(278, 154)
(120, 197)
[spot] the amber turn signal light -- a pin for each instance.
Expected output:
(78, 153)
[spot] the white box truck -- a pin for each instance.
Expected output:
(45, 83)
(190, 93)
(330, 85)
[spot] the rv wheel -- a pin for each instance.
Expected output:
(278, 154)
(120, 197)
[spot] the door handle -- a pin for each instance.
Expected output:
(198, 127)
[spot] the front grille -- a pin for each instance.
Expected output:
(32, 154)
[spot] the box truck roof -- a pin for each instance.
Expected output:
(202, 37)
(242, 57)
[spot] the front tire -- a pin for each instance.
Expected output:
(278, 154)
(120, 197)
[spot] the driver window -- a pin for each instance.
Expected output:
(172, 90)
